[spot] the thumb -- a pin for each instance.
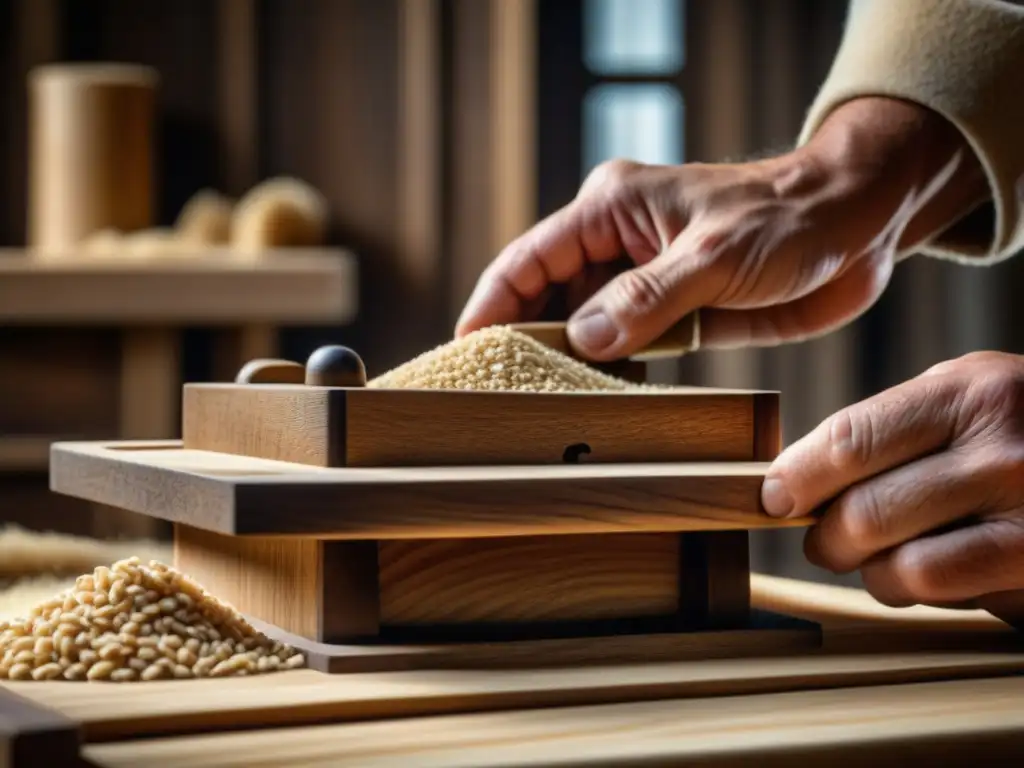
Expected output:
(642, 303)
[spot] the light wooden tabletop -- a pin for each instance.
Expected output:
(888, 685)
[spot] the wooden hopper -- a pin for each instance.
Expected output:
(377, 528)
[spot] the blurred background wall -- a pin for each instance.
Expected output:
(440, 129)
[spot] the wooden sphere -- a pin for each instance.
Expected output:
(335, 366)
(271, 371)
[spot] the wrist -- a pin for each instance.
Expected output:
(897, 163)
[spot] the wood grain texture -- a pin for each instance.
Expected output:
(528, 579)
(858, 623)
(323, 591)
(286, 422)
(169, 707)
(305, 285)
(244, 496)
(942, 724)
(113, 712)
(395, 428)
(32, 735)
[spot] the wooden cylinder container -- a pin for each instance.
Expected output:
(91, 147)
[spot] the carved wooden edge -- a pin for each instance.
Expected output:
(32, 736)
(262, 502)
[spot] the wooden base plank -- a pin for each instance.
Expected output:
(32, 735)
(114, 712)
(937, 724)
(259, 497)
(584, 643)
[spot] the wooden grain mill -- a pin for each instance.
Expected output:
(385, 528)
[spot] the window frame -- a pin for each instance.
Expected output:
(564, 81)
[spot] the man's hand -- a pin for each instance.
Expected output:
(771, 251)
(921, 488)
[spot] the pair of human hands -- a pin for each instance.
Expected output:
(921, 487)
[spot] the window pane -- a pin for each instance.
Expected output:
(636, 122)
(628, 37)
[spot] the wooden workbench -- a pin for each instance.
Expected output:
(889, 685)
(91, 347)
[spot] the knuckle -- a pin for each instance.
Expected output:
(610, 175)
(999, 391)
(851, 439)
(862, 517)
(1000, 463)
(922, 578)
(640, 291)
(983, 357)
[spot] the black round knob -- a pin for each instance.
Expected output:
(335, 366)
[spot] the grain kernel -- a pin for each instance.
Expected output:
(100, 670)
(75, 672)
(153, 673)
(111, 652)
(124, 675)
(49, 671)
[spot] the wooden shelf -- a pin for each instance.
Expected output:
(300, 286)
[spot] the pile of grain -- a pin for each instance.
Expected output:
(136, 622)
(498, 358)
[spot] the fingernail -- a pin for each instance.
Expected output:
(592, 333)
(775, 498)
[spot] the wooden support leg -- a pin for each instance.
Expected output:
(320, 590)
(150, 408)
(234, 347)
(714, 591)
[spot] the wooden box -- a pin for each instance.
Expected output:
(355, 521)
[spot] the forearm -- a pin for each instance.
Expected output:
(914, 173)
(962, 60)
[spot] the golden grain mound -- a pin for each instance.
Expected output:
(135, 622)
(499, 359)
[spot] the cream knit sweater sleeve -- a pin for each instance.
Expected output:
(965, 60)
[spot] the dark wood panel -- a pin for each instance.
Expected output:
(26, 500)
(59, 382)
(179, 39)
(329, 111)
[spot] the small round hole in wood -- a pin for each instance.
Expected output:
(573, 454)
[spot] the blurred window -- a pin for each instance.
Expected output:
(634, 51)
